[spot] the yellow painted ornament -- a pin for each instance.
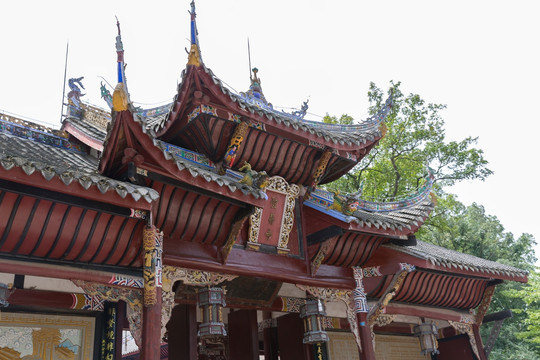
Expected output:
(119, 98)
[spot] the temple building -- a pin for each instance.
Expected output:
(202, 227)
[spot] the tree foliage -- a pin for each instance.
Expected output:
(415, 139)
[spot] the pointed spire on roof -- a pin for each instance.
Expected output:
(120, 98)
(194, 57)
(255, 89)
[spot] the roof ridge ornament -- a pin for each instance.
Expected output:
(194, 57)
(120, 98)
(254, 95)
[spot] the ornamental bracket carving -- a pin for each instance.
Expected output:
(173, 274)
(132, 296)
(390, 292)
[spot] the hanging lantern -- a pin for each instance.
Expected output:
(313, 314)
(211, 301)
(427, 334)
(5, 292)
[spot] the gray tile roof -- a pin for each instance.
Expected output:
(67, 165)
(398, 218)
(87, 128)
(447, 258)
(365, 132)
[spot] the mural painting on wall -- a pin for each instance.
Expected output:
(47, 337)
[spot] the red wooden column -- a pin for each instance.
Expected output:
(290, 336)
(120, 320)
(361, 308)
(151, 331)
(182, 332)
(243, 335)
(151, 328)
(270, 338)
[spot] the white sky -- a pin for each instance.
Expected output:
(481, 58)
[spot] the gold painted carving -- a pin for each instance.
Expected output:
(484, 305)
(152, 241)
(254, 229)
(319, 172)
(235, 230)
(390, 292)
(384, 319)
(236, 142)
(192, 277)
(288, 216)
(96, 116)
(321, 254)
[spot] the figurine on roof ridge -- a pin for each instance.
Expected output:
(303, 110)
(253, 178)
(75, 94)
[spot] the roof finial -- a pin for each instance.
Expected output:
(120, 95)
(194, 57)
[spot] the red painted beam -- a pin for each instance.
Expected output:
(251, 263)
(54, 271)
(419, 311)
(41, 298)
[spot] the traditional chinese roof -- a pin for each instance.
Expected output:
(351, 135)
(452, 260)
(42, 149)
(59, 208)
(88, 124)
(232, 128)
(196, 164)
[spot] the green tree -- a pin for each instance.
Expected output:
(529, 294)
(343, 120)
(415, 139)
